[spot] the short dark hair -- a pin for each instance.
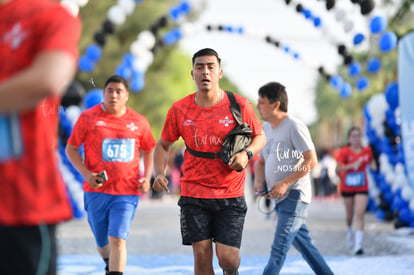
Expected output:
(117, 79)
(353, 128)
(274, 91)
(206, 52)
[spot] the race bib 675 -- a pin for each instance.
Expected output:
(118, 150)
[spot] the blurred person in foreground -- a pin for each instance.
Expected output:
(113, 136)
(285, 165)
(213, 206)
(38, 53)
(352, 162)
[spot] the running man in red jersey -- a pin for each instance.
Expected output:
(212, 202)
(352, 162)
(38, 53)
(113, 136)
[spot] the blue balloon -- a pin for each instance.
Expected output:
(373, 65)
(391, 95)
(362, 83)
(185, 7)
(380, 215)
(354, 69)
(307, 13)
(377, 24)
(346, 90)
(92, 98)
(405, 214)
(358, 39)
(336, 82)
(317, 22)
(85, 64)
(129, 59)
(296, 55)
(123, 71)
(94, 52)
(367, 115)
(174, 13)
(387, 41)
(137, 84)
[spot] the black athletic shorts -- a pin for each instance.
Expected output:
(352, 194)
(28, 250)
(221, 220)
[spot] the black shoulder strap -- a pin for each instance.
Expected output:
(235, 108)
(236, 111)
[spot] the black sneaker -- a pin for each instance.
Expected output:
(359, 252)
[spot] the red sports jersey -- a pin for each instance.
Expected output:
(113, 144)
(204, 129)
(32, 189)
(355, 180)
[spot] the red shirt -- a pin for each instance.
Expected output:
(32, 189)
(355, 180)
(113, 144)
(204, 129)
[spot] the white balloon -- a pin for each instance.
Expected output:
(400, 181)
(377, 106)
(70, 6)
(407, 192)
(82, 3)
(389, 176)
(339, 15)
(399, 169)
(127, 5)
(383, 160)
(148, 39)
(374, 192)
(140, 65)
(72, 113)
(116, 15)
(138, 49)
(411, 206)
(348, 26)
(187, 29)
(197, 5)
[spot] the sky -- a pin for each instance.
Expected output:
(251, 62)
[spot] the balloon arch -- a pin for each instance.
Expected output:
(391, 194)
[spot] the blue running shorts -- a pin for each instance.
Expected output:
(110, 215)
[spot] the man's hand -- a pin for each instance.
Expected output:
(278, 190)
(144, 185)
(94, 180)
(239, 161)
(160, 184)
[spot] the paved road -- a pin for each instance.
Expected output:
(155, 241)
(155, 230)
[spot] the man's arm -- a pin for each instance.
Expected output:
(160, 164)
(50, 74)
(75, 158)
(259, 175)
(310, 160)
(239, 161)
(148, 157)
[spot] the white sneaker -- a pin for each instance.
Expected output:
(350, 239)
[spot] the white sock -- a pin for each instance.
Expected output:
(359, 236)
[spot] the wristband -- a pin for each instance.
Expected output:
(157, 177)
